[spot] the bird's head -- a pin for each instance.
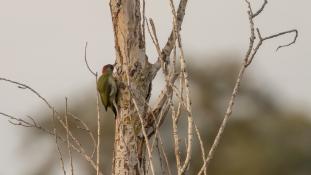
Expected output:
(107, 69)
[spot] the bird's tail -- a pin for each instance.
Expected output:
(115, 109)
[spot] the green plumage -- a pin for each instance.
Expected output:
(107, 88)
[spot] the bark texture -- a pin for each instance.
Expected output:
(133, 74)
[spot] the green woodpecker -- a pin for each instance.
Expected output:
(107, 88)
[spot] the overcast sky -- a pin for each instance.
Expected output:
(42, 45)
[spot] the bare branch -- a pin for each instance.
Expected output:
(87, 64)
(158, 138)
(250, 54)
(18, 121)
(184, 81)
(87, 129)
(98, 132)
(201, 145)
(224, 122)
(78, 147)
(153, 35)
(261, 41)
(188, 103)
(176, 139)
(24, 86)
(283, 33)
(145, 136)
(164, 96)
(24, 123)
(57, 145)
(170, 44)
(261, 9)
(143, 21)
(157, 134)
(67, 136)
(164, 154)
(252, 29)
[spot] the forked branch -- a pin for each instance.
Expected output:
(76, 145)
(250, 54)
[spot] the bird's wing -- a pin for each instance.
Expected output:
(113, 87)
(113, 90)
(103, 89)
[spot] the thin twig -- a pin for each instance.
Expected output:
(164, 154)
(224, 122)
(87, 129)
(262, 39)
(160, 157)
(185, 79)
(143, 24)
(153, 35)
(98, 117)
(24, 123)
(170, 44)
(169, 80)
(189, 116)
(201, 145)
(283, 33)
(67, 136)
(98, 133)
(250, 54)
(157, 134)
(85, 59)
(57, 145)
(176, 139)
(78, 147)
(261, 9)
(145, 136)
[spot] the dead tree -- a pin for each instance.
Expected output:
(137, 123)
(135, 74)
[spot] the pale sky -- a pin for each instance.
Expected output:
(42, 45)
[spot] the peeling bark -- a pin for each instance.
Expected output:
(133, 70)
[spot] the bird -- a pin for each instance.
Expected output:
(107, 88)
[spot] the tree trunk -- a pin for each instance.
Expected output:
(134, 82)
